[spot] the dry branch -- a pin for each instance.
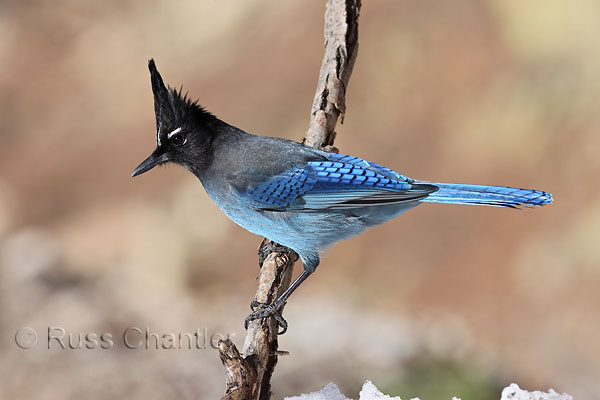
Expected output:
(341, 47)
(249, 374)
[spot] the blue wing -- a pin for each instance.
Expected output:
(340, 182)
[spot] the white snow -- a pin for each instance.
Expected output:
(329, 392)
(514, 392)
(370, 392)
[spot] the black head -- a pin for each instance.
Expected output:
(184, 130)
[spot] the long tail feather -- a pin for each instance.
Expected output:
(483, 195)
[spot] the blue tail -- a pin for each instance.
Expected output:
(483, 195)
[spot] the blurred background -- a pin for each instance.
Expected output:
(446, 300)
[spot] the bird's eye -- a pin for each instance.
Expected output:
(178, 140)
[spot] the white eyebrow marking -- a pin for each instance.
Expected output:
(174, 132)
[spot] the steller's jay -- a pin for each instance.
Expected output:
(298, 196)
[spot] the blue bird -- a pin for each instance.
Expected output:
(300, 197)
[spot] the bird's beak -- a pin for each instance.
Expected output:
(157, 157)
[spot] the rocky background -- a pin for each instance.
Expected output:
(446, 300)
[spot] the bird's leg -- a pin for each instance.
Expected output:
(273, 309)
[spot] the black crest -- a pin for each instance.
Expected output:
(163, 107)
(173, 108)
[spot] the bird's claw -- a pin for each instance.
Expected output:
(267, 247)
(256, 305)
(263, 310)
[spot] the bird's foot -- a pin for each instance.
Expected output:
(267, 247)
(263, 310)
